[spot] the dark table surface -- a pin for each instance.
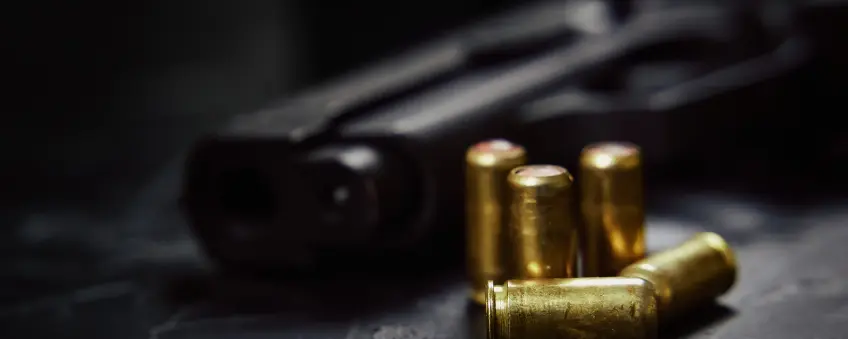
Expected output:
(128, 268)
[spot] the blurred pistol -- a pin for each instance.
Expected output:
(372, 164)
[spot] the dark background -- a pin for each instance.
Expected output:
(103, 100)
(131, 80)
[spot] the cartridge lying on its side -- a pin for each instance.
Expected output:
(579, 308)
(543, 226)
(487, 165)
(613, 215)
(697, 271)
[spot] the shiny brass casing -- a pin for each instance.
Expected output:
(612, 208)
(487, 165)
(697, 271)
(543, 226)
(579, 308)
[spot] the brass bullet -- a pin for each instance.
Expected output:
(612, 206)
(695, 272)
(578, 308)
(543, 227)
(487, 165)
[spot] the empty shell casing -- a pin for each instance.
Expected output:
(579, 308)
(487, 165)
(543, 226)
(695, 272)
(612, 207)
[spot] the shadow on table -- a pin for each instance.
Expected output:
(476, 315)
(334, 297)
(695, 321)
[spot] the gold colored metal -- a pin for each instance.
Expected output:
(695, 272)
(612, 206)
(543, 226)
(487, 165)
(579, 308)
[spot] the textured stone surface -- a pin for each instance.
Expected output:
(136, 273)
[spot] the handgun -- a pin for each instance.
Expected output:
(371, 165)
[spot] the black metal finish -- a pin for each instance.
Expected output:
(673, 77)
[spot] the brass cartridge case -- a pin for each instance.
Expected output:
(579, 308)
(612, 208)
(487, 165)
(543, 225)
(695, 272)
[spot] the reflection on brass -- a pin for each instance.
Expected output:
(487, 165)
(579, 308)
(543, 226)
(612, 208)
(697, 271)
